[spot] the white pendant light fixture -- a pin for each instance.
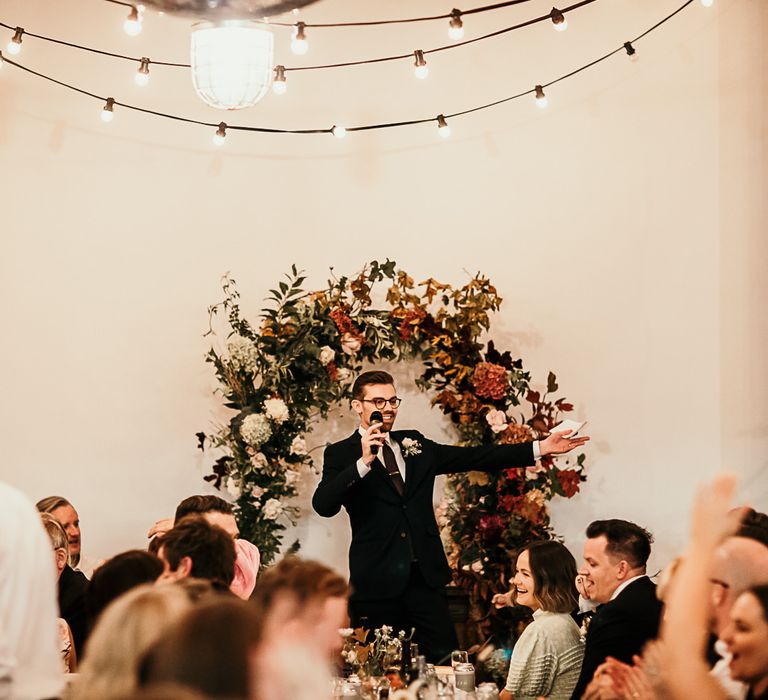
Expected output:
(232, 62)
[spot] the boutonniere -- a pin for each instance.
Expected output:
(411, 447)
(585, 622)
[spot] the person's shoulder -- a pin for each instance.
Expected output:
(556, 624)
(347, 443)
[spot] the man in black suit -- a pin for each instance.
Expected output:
(628, 615)
(385, 480)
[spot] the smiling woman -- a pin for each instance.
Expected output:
(747, 640)
(547, 658)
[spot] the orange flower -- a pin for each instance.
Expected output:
(490, 381)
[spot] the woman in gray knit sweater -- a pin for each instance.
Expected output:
(547, 657)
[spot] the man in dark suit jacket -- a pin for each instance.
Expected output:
(385, 480)
(615, 557)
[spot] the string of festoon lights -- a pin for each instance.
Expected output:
(441, 120)
(300, 45)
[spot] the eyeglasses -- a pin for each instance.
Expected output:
(394, 402)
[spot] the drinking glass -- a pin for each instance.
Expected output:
(459, 657)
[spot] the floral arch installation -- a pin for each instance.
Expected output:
(299, 362)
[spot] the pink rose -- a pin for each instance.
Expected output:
(350, 343)
(497, 420)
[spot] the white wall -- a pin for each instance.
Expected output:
(624, 227)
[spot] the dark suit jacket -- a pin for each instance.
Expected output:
(620, 629)
(389, 531)
(73, 587)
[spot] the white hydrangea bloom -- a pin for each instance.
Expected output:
(255, 429)
(272, 509)
(326, 355)
(276, 410)
(233, 487)
(242, 353)
(298, 446)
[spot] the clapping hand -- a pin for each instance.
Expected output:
(160, 528)
(712, 518)
(559, 443)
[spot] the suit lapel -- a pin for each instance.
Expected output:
(413, 474)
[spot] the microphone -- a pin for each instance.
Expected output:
(376, 417)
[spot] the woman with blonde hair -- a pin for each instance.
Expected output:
(58, 538)
(126, 629)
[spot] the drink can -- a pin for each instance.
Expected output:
(465, 677)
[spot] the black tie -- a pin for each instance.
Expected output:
(390, 464)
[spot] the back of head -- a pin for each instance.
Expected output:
(625, 541)
(207, 650)
(370, 378)
(302, 580)
(55, 532)
(554, 574)
(124, 632)
(199, 505)
(210, 549)
(119, 575)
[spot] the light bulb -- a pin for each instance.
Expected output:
(132, 25)
(707, 3)
(107, 113)
(421, 69)
(142, 74)
(631, 51)
(339, 131)
(299, 43)
(541, 98)
(14, 45)
(442, 127)
(559, 20)
(220, 136)
(455, 26)
(279, 86)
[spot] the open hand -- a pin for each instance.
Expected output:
(160, 528)
(502, 600)
(559, 443)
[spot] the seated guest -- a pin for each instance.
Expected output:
(301, 605)
(207, 650)
(739, 563)
(614, 573)
(73, 584)
(303, 600)
(195, 548)
(61, 509)
(126, 629)
(118, 575)
(58, 539)
(30, 664)
(546, 659)
(217, 512)
(746, 637)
